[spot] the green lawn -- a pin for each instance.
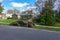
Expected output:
(57, 24)
(47, 28)
(7, 21)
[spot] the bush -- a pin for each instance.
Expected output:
(9, 18)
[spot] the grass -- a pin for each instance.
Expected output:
(57, 24)
(47, 28)
(7, 21)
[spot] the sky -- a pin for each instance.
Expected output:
(21, 4)
(56, 4)
(18, 4)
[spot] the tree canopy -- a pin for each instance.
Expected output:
(47, 16)
(1, 8)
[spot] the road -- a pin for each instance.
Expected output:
(19, 33)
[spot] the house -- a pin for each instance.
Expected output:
(8, 15)
(14, 16)
(4, 17)
(1, 15)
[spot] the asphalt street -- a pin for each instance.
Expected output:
(19, 33)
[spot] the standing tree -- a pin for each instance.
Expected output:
(58, 14)
(1, 8)
(39, 6)
(16, 11)
(47, 16)
(13, 11)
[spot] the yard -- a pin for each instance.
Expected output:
(57, 24)
(48, 28)
(56, 27)
(7, 21)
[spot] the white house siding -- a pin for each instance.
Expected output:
(0, 16)
(9, 15)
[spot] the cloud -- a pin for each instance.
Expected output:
(1, 0)
(31, 7)
(28, 8)
(14, 4)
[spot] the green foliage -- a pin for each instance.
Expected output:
(47, 17)
(1, 8)
(48, 28)
(58, 16)
(49, 4)
(57, 24)
(50, 18)
(36, 20)
(7, 21)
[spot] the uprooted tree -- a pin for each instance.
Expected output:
(25, 20)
